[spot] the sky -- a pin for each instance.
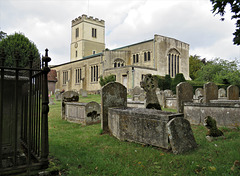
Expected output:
(47, 23)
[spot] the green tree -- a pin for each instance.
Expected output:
(2, 35)
(219, 8)
(17, 45)
(220, 71)
(178, 78)
(107, 79)
(195, 64)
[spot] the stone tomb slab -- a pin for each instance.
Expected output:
(145, 126)
(181, 136)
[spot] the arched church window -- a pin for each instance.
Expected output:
(119, 63)
(173, 62)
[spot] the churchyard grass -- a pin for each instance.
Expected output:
(83, 150)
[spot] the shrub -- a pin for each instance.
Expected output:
(107, 79)
(178, 78)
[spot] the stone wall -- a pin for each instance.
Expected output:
(226, 114)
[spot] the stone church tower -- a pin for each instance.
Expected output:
(88, 37)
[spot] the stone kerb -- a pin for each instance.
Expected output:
(68, 96)
(210, 92)
(221, 93)
(113, 95)
(232, 93)
(180, 135)
(184, 93)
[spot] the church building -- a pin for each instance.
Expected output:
(90, 59)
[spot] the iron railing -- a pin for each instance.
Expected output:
(24, 117)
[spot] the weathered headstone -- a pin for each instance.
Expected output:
(93, 113)
(210, 92)
(161, 97)
(232, 93)
(180, 135)
(199, 93)
(184, 92)
(51, 101)
(58, 96)
(68, 96)
(221, 93)
(168, 93)
(113, 94)
(137, 94)
(83, 93)
(150, 84)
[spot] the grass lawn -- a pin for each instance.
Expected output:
(82, 150)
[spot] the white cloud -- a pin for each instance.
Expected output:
(48, 24)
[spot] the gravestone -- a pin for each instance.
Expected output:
(113, 94)
(184, 92)
(180, 135)
(138, 94)
(68, 96)
(58, 96)
(232, 93)
(168, 93)
(221, 93)
(210, 92)
(199, 93)
(51, 101)
(83, 93)
(93, 113)
(161, 97)
(150, 84)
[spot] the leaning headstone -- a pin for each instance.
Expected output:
(168, 93)
(68, 96)
(232, 93)
(150, 84)
(114, 94)
(184, 93)
(161, 97)
(221, 93)
(210, 92)
(180, 135)
(199, 93)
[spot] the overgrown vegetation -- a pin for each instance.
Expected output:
(81, 150)
(107, 79)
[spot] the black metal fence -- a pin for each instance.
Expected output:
(24, 116)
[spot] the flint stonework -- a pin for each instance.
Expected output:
(184, 92)
(113, 95)
(181, 136)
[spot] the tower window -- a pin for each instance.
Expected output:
(76, 54)
(94, 32)
(77, 32)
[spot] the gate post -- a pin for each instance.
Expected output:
(45, 110)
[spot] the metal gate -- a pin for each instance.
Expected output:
(24, 116)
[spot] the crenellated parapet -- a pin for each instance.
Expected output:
(86, 18)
